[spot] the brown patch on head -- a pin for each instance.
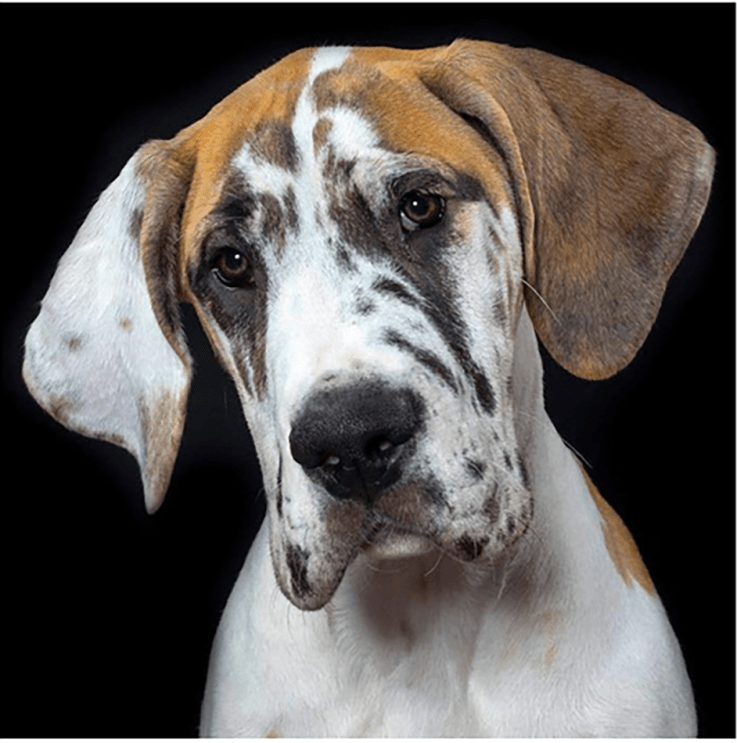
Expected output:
(273, 142)
(273, 224)
(290, 209)
(619, 543)
(320, 134)
(125, 323)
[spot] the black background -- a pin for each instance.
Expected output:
(108, 614)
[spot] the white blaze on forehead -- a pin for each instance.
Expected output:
(265, 176)
(327, 58)
(262, 177)
(351, 135)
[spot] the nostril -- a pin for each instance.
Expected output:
(351, 438)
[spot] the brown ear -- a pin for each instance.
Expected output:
(610, 189)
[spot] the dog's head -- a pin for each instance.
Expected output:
(361, 233)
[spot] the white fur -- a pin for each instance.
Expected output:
(95, 356)
(426, 647)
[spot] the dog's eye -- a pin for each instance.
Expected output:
(418, 210)
(232, 268)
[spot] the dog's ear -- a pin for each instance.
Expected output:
(106, 355)
(610, 188)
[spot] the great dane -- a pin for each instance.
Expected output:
(373, 240)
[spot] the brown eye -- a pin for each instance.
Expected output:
(418, 210)
(232, 268)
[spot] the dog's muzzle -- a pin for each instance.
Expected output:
(354, 440)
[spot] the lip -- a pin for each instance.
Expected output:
(391, 543)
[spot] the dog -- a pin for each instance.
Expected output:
(374, 240)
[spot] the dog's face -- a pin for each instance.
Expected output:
(353, 228)
(365, 298)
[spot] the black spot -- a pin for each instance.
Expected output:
(500, 311)
(290, 209)
(272, 220)
(345, 260)
(469, 549)
(507, 461)
(134, 226)
(523, 471)
(484, 393)
(439, 304)
(364, 306)
(274, 142)
(509, 526)
(279, 494)
(476, 468)
(510, 385)
(356, 223)
(428, 359)
(74, 343)
(491, 509)
(385, 285)
(434, 493)
(237, 201)
(297, 563)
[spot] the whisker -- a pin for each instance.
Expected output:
(577, 454)
(540, 297)
(435, 566)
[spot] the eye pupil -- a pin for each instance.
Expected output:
(418, 210)
(232, 268)
(233, 260)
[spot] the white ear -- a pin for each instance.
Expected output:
(97, 359)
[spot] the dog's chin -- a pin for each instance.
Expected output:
(389, 544)
(385, 544)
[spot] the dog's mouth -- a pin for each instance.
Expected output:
(410, 520)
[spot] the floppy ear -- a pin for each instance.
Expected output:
(106, 355)
(610, 188)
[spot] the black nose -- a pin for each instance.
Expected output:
(352, 440)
